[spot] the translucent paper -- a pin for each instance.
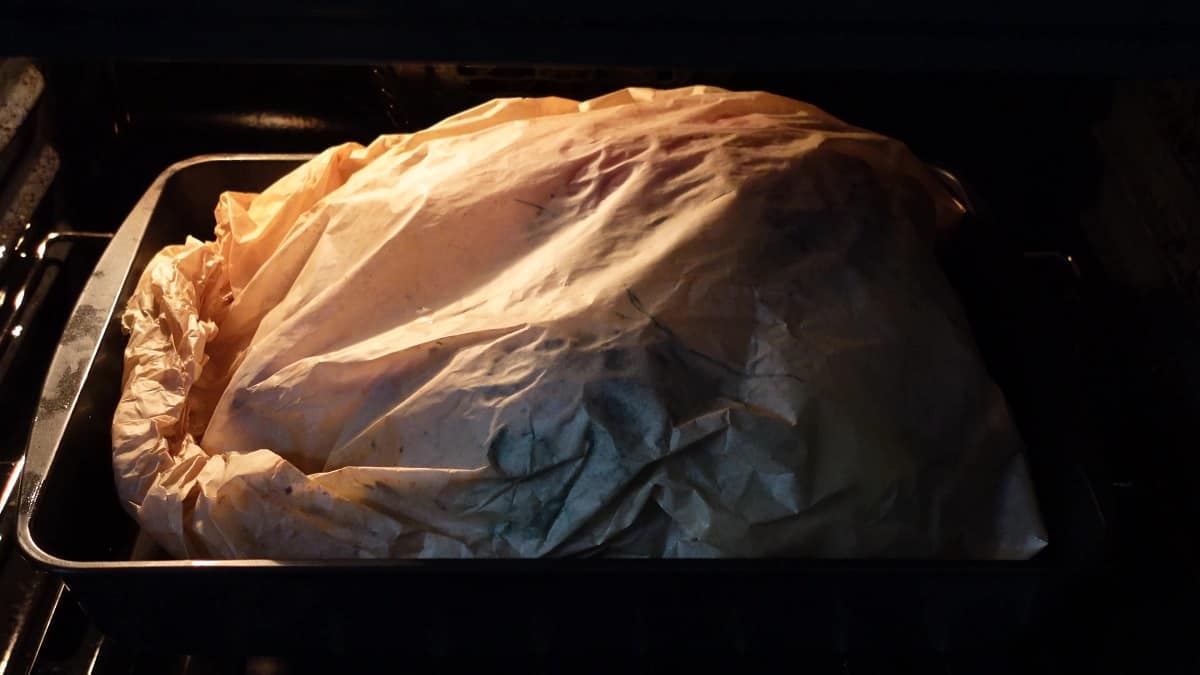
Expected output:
(658, 323)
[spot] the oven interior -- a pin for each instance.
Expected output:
(1086, 180)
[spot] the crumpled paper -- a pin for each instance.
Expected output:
(657, 323)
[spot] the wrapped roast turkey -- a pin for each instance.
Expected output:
(657, 323)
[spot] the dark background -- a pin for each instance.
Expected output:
(1074, 36)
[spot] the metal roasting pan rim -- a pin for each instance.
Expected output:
(72, 365)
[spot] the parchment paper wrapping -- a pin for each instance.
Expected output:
(657, 323)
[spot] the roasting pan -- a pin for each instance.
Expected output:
(70, 520)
